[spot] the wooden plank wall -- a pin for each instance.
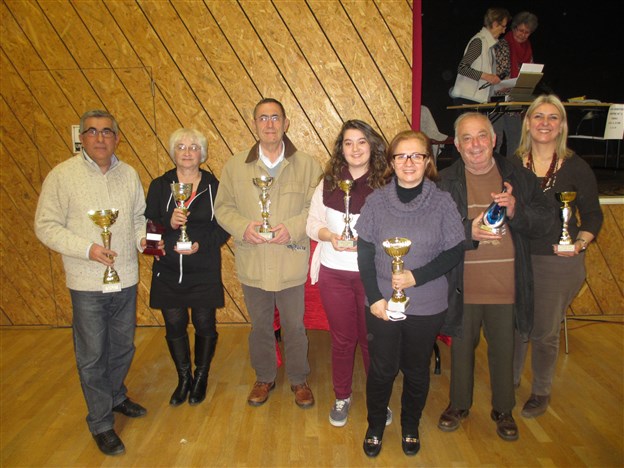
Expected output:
(159, 65)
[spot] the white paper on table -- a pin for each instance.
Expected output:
(531, 68)
(505, 84)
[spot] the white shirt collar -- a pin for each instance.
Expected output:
(114, 159)
(267, 162)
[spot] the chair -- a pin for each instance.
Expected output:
(614, 130)
(428, 125)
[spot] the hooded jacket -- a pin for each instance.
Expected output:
(204, 266)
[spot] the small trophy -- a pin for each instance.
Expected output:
(105, 219)
(264, 182)
(397, 247)
(348, 239)
(153, 236)
(565, 241)
(182, 192)
(494, 218)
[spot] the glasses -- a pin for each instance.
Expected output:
(265, 118)
(94, 132)
(192, 148)
(402, 158)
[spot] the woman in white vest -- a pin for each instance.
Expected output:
(477, 69)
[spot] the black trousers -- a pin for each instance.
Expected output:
(406, 346)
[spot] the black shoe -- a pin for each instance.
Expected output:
(130, 408)
(535, 406)
(451, 417)
(109, 443)
(181, 354)
(506, 427)
(410, 444)
(372, 446)
(204, 352)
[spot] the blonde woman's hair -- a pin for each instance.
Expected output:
(526, 142)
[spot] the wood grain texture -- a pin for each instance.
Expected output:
(160, 65)
(43, 410)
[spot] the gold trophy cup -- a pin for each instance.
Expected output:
(397, 247)
(105, 219)
(565, 241)
(264, 182)
(348, 239)
(182, 192)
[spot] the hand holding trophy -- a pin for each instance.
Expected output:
(348, 239)
(264, 182)
(397, 247)
(105, 219)
(565, 241)
(182, 192)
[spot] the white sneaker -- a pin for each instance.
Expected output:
(389, 417)
(340, 412)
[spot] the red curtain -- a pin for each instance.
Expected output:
(416, 63)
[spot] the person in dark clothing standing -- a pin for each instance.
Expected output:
(493, 286)
(410, 206)
(559, 273)
(184, 279)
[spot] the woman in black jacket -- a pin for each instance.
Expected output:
(184, 279)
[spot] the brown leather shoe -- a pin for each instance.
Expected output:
(536, 405)
(303, 395)
(505, 425)
(450, 418)
(260, 393)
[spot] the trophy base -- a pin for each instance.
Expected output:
(346, 244)
(184, 246)
(395, 306)
(151, 247)
(564, 247)
(267, 235)
(111, 287)
(395, 316)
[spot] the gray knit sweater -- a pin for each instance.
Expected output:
(431, 221)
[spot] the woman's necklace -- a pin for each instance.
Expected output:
(548, 181)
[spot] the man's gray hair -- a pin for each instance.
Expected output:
(97, 113)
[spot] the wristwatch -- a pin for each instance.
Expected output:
(583, 242)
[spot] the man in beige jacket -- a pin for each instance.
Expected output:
(272, 268)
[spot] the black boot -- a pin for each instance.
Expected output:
(204, 351)
(181, 355)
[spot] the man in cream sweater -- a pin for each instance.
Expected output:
(103, 322)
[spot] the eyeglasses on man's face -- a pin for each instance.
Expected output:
(94, 132)
(402, 158)
(265, 118)
(192, 148)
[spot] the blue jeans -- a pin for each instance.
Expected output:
(103, 331)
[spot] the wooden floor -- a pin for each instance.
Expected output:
(42, 411)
